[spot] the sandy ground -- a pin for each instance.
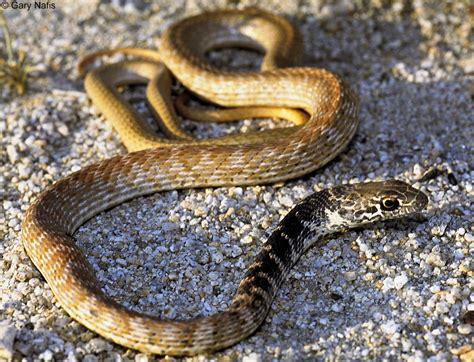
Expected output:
(393, 291)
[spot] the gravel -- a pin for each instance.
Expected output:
(393, 291)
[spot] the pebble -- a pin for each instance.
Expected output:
(388, 284)
(400, 281)
(435, 259)
(12, 153)
(390, 327)
(7, 337)
(285, 201)
(465, 329)
(97, 345)
(141, 357)
(350, 276)
(252, 357)
(442, 307)
(46, 355)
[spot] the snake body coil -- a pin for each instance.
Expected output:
(184, 162)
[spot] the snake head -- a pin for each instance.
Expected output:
(364, 203)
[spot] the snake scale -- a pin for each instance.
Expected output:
(184, 162)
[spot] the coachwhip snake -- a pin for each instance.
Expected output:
(184, 162)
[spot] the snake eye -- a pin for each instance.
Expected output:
(389, 204)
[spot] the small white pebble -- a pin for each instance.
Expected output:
(267, 197)
(141, 357)
(400, 281)
(450, 298)
(285, 201)
(46, 355)
(452, 281)
(252, 357)
(465, 328)
(418, 170)
(363, 247)
(24, 171)
(388, 284)
(442, 307)
(62, 129)
(469, 237)
(390, 327)
(12, 153)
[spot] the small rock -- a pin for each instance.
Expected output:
(442, 307)
(213, 275)
(285, 201)
(390, 327)
(467, 65)
(336, 307)
(12, 153)
(435, 260)
(452, 281)
(141, 357)
(388, 284)
(400, 281)
(252, 357)
(469, 237)
(350, 276)
(7, 336)
(247, 239)
(97, 345)
(465, 329)
(24, 171)
(418, 170)
(46, 355)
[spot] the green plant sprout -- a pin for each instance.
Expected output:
(15, 68)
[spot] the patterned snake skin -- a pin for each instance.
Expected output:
(182, 162)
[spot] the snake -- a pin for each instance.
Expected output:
(181, 161)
